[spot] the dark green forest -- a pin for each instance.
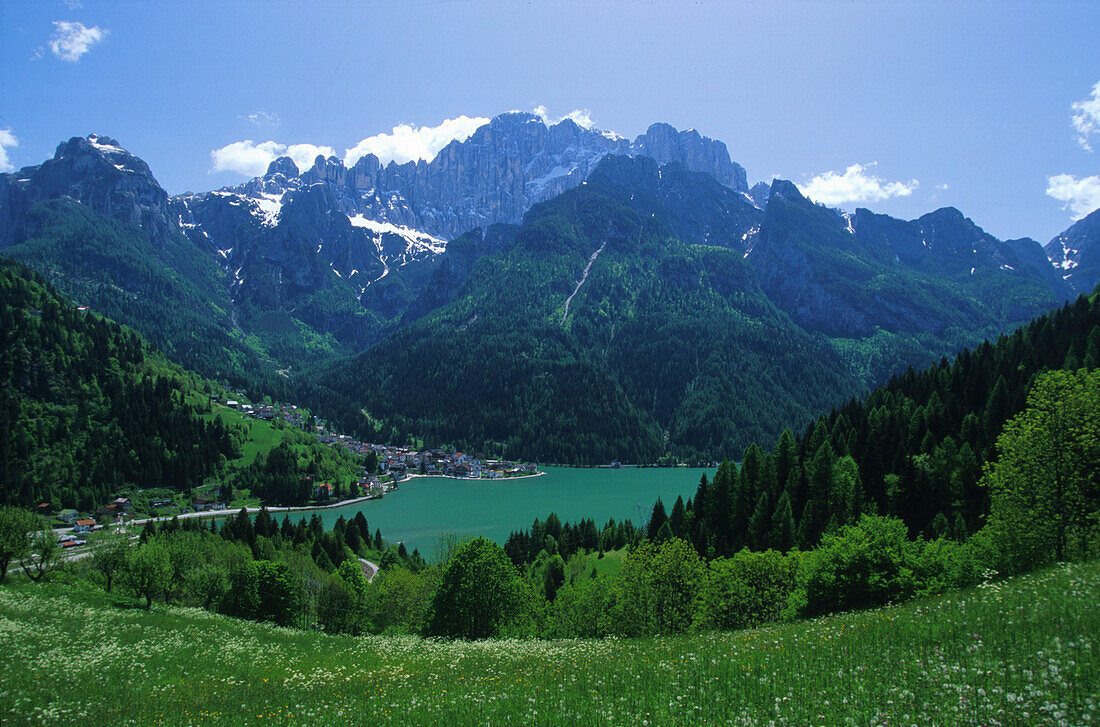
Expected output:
(87, 407)
(174, 295)
(914, 449)
(677, 343)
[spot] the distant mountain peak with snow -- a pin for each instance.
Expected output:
(1076, 253)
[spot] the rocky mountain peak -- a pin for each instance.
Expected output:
(330, 170)
(284, 166)
(785, 189)
(98, 172)
(946, 215)
(760, 193)
(495, 175)
(696, 152)
(1076, 253)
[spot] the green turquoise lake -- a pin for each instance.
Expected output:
(424, 508)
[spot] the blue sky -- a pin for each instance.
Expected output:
(991, 107)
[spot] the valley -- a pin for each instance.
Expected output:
(303, 286)
(353, 372)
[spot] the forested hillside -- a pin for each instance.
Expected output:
(87, 406)
(653, 311)
(89, 409)
(659, 339)
(174, 295)
(913, 449)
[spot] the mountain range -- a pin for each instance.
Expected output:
(606, 280)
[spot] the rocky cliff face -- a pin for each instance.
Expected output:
(494, 176)
(94, 171)
(292, 232)
(850, 275)
(1076, 253)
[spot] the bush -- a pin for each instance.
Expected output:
(749, 589)
(402, 600)
(148, 570)
(582, 609)
(659, 590)
(864, 565)
(278, 601)
(338, 606)
(243, 598)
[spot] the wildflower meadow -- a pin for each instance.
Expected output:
(1018, 652)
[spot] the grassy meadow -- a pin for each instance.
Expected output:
(1020, 652)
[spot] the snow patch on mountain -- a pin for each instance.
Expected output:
(269, 207)
(416, 240)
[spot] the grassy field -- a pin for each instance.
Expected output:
(1024, 652)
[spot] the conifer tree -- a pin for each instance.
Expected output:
(676, 520)
(656, 520)
(782, 533)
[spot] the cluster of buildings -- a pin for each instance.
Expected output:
(400, 462)
(395, 461)
(267, 412)
(437, 462)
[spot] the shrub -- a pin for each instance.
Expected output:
(148, 570)
(278, 601)
(864, 565)
(659, 590)
(749, 589)
(581, 609)
(402, 600)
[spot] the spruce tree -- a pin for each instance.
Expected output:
(676, 521)
(656, 520)
(782, 534)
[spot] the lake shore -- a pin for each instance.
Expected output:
(411, 476)
(228, 512)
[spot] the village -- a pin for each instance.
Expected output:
(386, 466)
(394, 463)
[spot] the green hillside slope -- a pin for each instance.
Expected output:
(173, 295)
(915, 448)
(665, 346)
(1021, 652)
(88, 409)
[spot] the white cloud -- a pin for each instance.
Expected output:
(305, 154)
(6, 139)
(71, 40)
(261, 118)
(581, 117)
(408, 143)
(1081, 196)
(1086, 117)
(251, 159)
(857, 184)
(943, 187)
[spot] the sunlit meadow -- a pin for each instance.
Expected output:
(1023, 652)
